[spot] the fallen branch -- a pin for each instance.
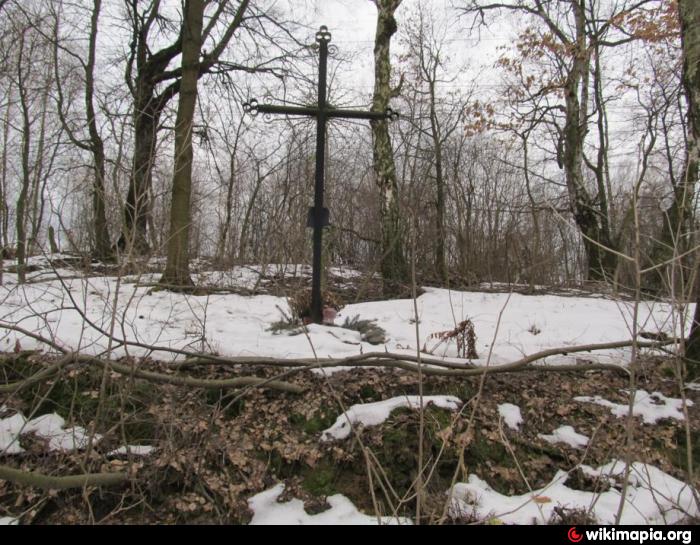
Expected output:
(151, 376)
(209, 384)
(445, 368)
(39, 376)
(49, 482)
(407, 362)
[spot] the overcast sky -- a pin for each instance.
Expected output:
(352, 24)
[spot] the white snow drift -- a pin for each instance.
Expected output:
(373, 414)
(48, 426)
(653, 497)
(567, 435)
(651, 407)
(267, 510)
(236, 325)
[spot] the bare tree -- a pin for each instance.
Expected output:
(426, 45)
(152, 85)
(39, 144)
(689, 12)
(574, 33)
(394, 269)
(94, 143)
(177, 271)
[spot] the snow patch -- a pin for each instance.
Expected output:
(373, 414)
(52, 427)
(651, 407)
(8, 521)
(567, 435)
(10, 429)
(267, 510)
(48, 426)
(511, 415)
(134, 450)
(653, 497)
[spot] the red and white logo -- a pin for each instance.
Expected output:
(573, 535)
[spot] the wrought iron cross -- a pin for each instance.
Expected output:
(322, 111)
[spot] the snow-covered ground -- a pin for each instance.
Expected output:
(79, 314)
(238, 325)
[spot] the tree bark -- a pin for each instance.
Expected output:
(134, 236)
(440, 260)
(393, 262)
(600, 263)
(177, 270)
(689, 13)
(26, 148)
(4, 209)
(102, 249)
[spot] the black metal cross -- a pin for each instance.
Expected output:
(322, 111)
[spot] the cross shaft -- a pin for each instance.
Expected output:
(322, 112)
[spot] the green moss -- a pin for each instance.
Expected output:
(481, 450)
(297, 420)
(75, 396)
(679, 456)
(367, 393)
(320, 480)
(318, 422)
(668, 372)
(462, 389)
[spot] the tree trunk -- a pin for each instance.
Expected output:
(36, 187)
(393, 267)
(177, 270)
(102, 248)
(600, 262)
(243, 241)
(226, 223)
(134, 237)
(26, 175)
(228, 207)
(53, 245)
(4, 216)
(689, 12)
(441, 235)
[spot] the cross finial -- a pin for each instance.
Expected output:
(323, 35)
(251, 107)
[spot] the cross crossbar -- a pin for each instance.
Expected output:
(322, 111)
(313, 111)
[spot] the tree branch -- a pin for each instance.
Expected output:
(49, 482)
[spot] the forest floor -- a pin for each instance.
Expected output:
(220, 455)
